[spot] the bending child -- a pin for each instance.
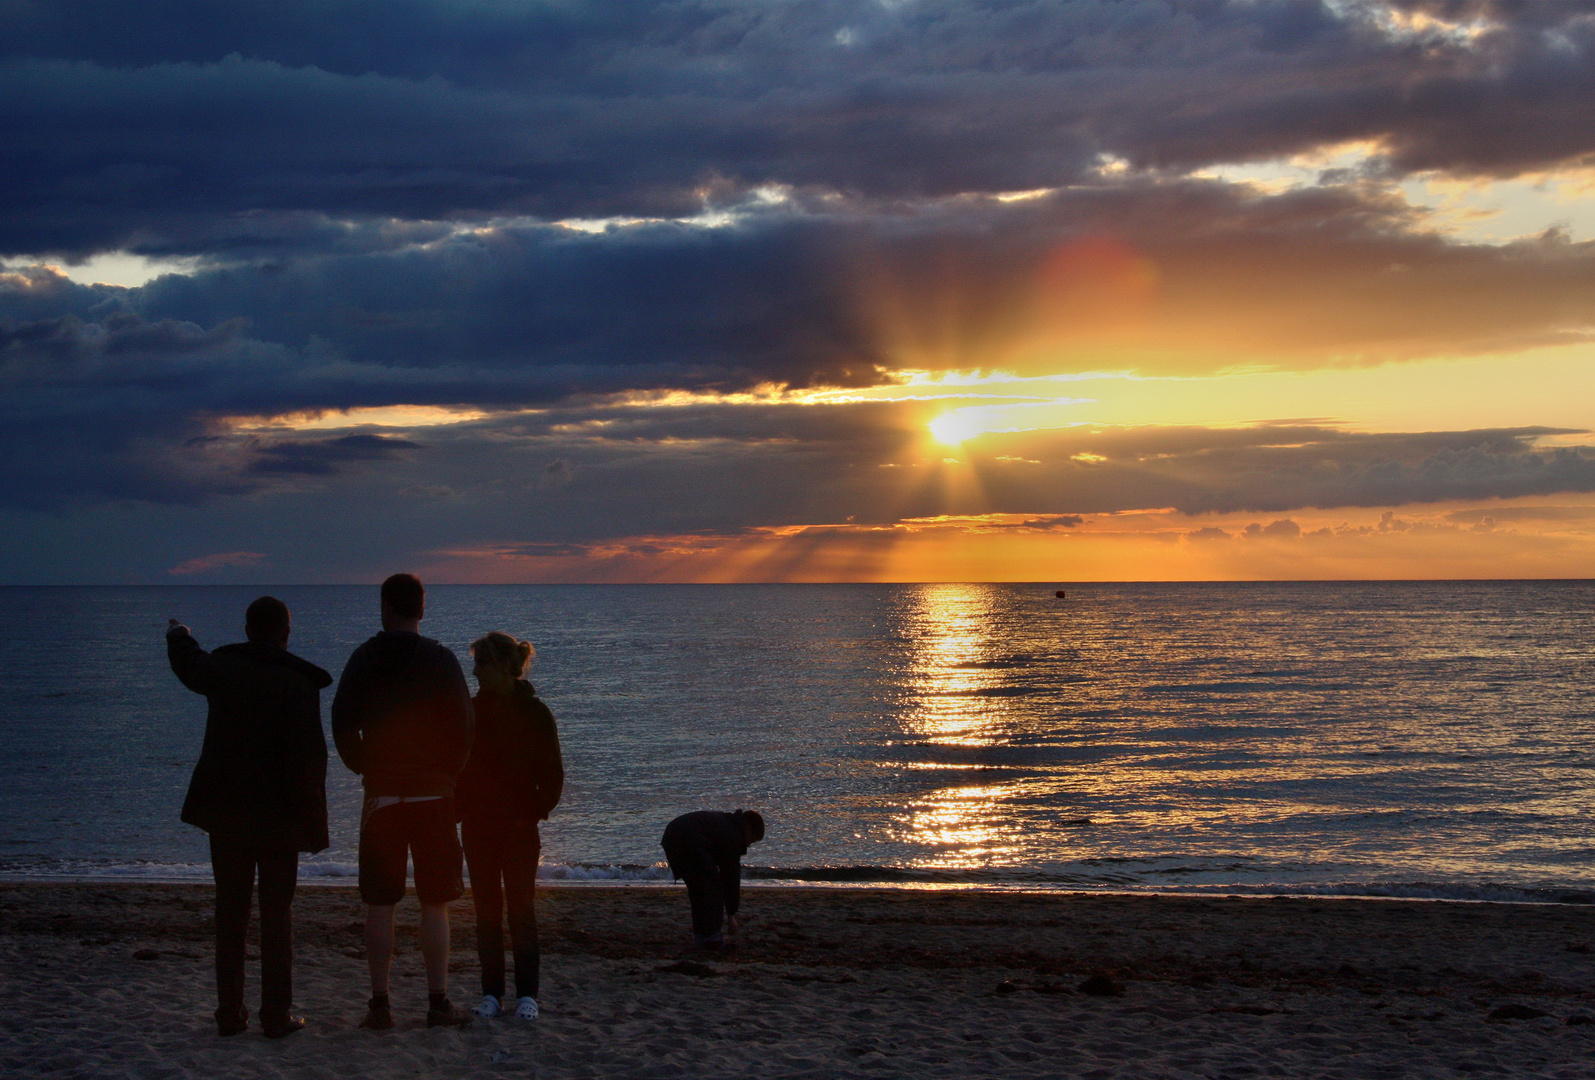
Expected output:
(705, 850)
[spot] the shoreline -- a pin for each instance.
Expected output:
(111, 979)
(1575, 897)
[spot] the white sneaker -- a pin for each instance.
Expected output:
(488, 1009)
(526, 1009)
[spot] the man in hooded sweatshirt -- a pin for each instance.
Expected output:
(259, 790)
(402, 720)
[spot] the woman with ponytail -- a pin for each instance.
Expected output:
(512, 782)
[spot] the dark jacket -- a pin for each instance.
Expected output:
(402, 715)
(708, 842)
(515, 771)
(262, 772)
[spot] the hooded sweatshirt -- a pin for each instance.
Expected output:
(402, 716)
(515, 771)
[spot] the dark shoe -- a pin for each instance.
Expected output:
(232, 1023)
(276, 1029)
(447, 1015)
(378, 1017)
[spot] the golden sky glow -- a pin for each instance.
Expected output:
(1539, 537)
(387, 416)
(1503, 390)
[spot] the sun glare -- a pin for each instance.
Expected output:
(952, 428)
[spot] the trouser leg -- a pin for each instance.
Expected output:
(708, 904)
(279, 875)
(520, 887)
(482, 856)
(233, 865)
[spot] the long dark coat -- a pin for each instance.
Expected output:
(262, 772)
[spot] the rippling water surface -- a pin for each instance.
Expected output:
(1398, 738)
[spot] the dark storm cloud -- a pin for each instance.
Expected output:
(1497, 514)
(127, 409)
(102, 401)
(560, 312)
(182, 126)
(802, 296)
(322, 457)
(96, 411)
(1276, 469)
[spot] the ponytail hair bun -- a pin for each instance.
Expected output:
(501, 650)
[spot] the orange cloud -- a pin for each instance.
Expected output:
(1524, 538)
(203, 563)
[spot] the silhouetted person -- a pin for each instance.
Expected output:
(259, 790)
(402, 720)
(705, 849)
(513, 781)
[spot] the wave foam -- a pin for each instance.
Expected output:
(603, 872)
(1092, 880)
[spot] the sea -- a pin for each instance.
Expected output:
(1404, 739)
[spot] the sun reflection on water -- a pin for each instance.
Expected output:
(964, 823)
(954, 683)
(951, 674)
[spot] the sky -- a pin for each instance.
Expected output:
(865, 290)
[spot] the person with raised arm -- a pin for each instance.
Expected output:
(402, 720)
(259, 790)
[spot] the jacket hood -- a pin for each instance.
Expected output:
(270, 654)
(394, 648)
(397, 643)
(522, 689)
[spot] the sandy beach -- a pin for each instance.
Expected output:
(115, 980)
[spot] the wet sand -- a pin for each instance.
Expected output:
(115, 980)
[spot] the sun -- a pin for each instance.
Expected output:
(952, 428)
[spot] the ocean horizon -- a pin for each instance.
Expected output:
(1422, 739)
